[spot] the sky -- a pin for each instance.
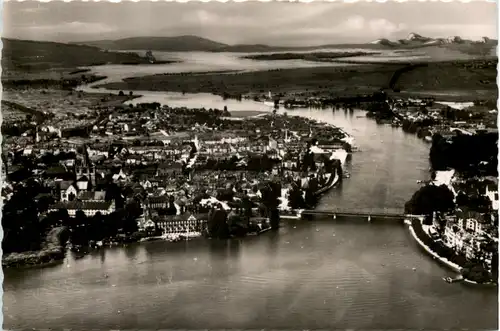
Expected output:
(273, 23)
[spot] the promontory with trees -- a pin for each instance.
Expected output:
(461, 204)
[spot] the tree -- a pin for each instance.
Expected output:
(270, 198)
(217, 224)
(80, 217)
(295, 198)
(429, 199)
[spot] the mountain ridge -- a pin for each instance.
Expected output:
(415, 40)
(194, 43)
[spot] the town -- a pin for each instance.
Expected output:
(127, 173)
(249, 165)
(112, 173)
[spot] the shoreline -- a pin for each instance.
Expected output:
(52, 252)
(443, 261)
(435, 256)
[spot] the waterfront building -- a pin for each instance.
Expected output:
(89, 208)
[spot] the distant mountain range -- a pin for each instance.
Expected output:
(416, 40)
(33, 56)
(194, 43)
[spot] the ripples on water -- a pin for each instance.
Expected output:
(320, 274)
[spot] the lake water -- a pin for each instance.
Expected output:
(322, 274)
(209, 62)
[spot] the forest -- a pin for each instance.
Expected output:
(471, 155)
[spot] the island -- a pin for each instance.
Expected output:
(312, 56)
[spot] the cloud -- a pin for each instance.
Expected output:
(472, 31)
(353, 23)
(385, 28)
(354, 28)
(34, 10)
(369, 27)
(73, 27)
(279, 23)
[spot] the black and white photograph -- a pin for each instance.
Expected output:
(249, 165)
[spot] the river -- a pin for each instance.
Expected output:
(320, 274)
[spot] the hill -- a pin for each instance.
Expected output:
(172, 44)
(33, 56)
(194, 43)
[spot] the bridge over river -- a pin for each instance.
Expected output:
(386, 213)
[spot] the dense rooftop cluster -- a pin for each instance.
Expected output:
(155, 169)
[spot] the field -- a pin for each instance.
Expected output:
(339, 78)
(66, 106)
(475, 78)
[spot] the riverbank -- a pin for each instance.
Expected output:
(425, 242)
(52, 252)
(442, 254)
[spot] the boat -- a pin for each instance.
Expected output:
(447, 279)
(260, 228)
(189, 235)
(172, 237)
(450, 280)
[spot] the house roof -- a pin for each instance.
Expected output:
(83, 179)
(159, 199)
(83, 205)
(97, 195)
(65, 184)
(465, 214)
(56, 170)
(167, 166)
(183, 217)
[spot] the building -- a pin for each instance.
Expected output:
(89, 208)
(180, 223)
(92, 196)
(68, 191)
(492, 194)
(160, 202)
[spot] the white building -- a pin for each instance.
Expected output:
(493, 196)
(89, 208)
